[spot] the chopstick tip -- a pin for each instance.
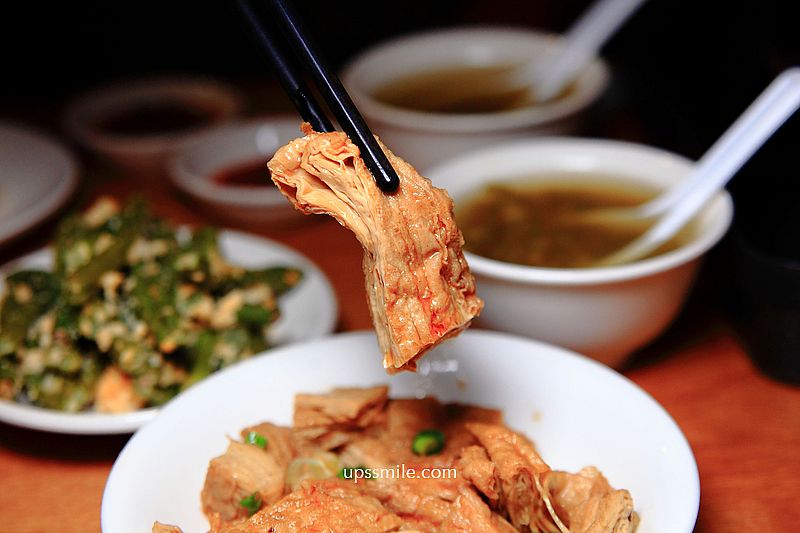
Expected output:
(387, 181)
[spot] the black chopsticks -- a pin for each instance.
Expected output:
(328, 84)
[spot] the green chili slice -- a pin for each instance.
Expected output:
(428, 442)
(252, 503)
(349, 472)
(256, 439)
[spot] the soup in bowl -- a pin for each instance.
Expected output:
(549, 222)
(606, 312)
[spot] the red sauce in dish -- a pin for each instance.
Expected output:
(247, 174)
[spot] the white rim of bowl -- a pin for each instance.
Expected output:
(591, 84)
(588, 276)
(203, 187)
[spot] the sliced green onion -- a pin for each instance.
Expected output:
(253, 315)
(252, 503)
(256, 439)
(428, 442)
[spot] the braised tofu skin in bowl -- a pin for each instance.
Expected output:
(356, 460)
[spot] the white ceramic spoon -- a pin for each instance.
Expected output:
(581, 43)
(719, 164)
(546, 78)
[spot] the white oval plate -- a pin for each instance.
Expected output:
(577, 411)
(307, 311)
(37, 176)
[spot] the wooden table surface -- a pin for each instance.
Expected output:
(743, 427)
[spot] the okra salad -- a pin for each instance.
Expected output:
(131, 313)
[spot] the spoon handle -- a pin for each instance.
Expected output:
(582, 41)
(765, 115)
(738, 144)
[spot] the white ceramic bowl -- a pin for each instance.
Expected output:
(577, 412)
(605, 313)
(196, 163)
(145, 155)
(427, 138)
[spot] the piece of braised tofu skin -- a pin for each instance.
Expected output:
(533, 496)
(475, 466)
(279, 441)
(404, 419)
(388, 441)
(323, 506)
(419, 286)
(518, 470)
(424, 503)
(240, 472)
(158, 527)
(469, 513)
(371, 452)
(586, 502)
(456, 418)
(330, 420)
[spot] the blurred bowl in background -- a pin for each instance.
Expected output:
(764, 288)
(225, 171)
(137, 125)
(37, 177)
(426, 137)
(603, 312)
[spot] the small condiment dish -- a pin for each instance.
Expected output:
(207, 102)
(604, 312)
(199, 162)
(426, 138)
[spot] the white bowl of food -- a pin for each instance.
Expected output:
(576, 412)
(413, 91)
(225, 171)
(72, 364)
(138, 124)
(604, 312)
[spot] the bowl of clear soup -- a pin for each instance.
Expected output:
(434, 95)
(519, 207)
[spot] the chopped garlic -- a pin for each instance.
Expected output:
(100, 211)
(224, 315)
